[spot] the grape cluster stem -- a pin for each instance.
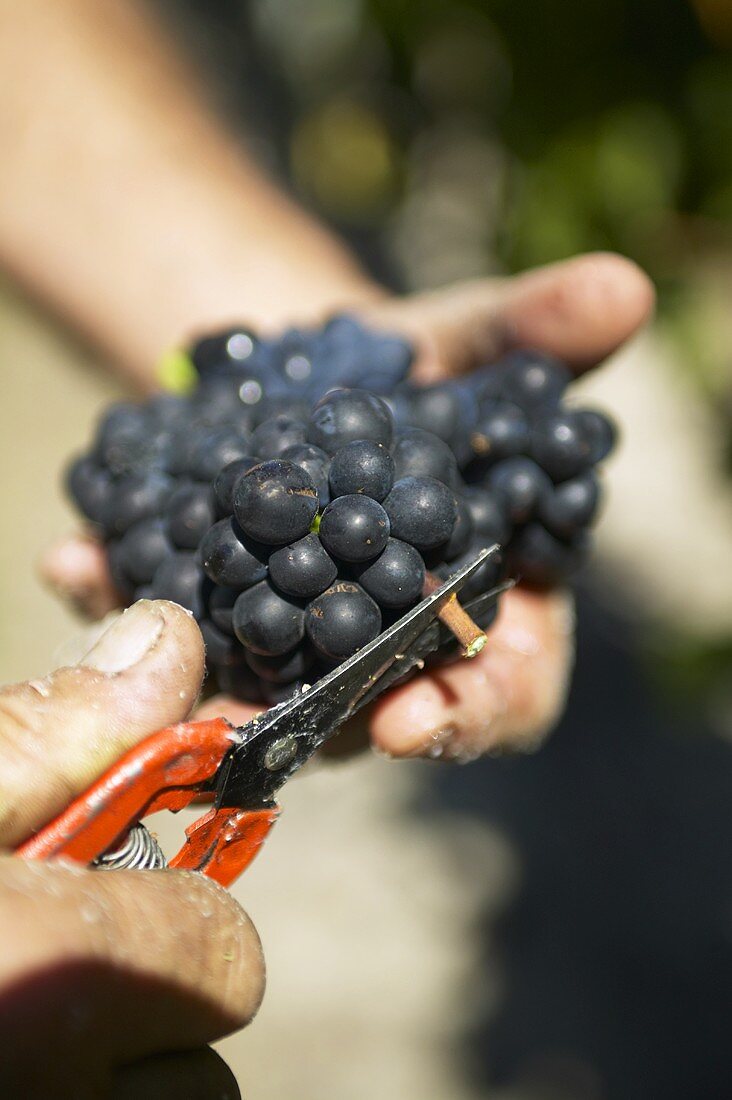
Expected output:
(454, 616)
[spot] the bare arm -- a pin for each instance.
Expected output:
(126, 205)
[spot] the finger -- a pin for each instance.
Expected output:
(113, 967)
(197, 1075)
(76, 570)
(507, 698)
(580, 310)
(58, 734)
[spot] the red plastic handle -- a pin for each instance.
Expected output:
(223, 842)
(165, 771)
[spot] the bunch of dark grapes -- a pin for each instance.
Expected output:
(527, 459)
(304, 363)
(296, 499)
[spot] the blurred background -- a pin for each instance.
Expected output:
(544, 928)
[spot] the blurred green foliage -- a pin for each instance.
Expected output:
(466, 136)
(451, 138)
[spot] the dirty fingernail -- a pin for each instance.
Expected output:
(127, 640)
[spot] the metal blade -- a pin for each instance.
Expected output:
(436, 637)
(281, 740)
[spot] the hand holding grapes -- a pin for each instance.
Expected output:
(202, 238)
(96, 973)
(580, 311)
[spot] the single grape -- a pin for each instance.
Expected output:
(218, 400)
(343, 329)
(567, 508)
(298, 369)
(393, 356)
(221, 648)
(217, 448)
(490, 519)
(225, 350)
(342, 620)
(275, 435)
(275, 502)
(354, 528)
(180, 578)
(284, 668)
(169, 410)
(344, 415)
(230, 558)
(121, 439)
(136, 497)
(117, 417)
(120, 578)
(534, 380)
(437, 409)
(539, 558)
(239, 681)
(600, 430)
(315, 463)
(396, 577)
(251, 385)
(91, 487)
(348, 354)
(561, 445)
(267, 622)
(399, 405)
(421, 511)
(364, 467)
(189, 515)
(487, 383)
(502, 431)
(158, 449)
(419, 453)
(303, 569)
(187, 446)
(142, 548)
(221, 600)
(226, 479)
(462, 533)
(519, 484)
(290, 344)
(345, 339)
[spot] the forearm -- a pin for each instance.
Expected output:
(124, 203)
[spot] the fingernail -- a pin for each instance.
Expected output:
(127, 640)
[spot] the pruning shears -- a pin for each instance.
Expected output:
(242, 768)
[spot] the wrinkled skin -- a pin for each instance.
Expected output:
(111, 981)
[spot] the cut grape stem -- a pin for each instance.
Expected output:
(454, 616)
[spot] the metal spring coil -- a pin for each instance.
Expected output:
(139, 851)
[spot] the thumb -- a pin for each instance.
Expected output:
(58, 734)
(580, 310)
